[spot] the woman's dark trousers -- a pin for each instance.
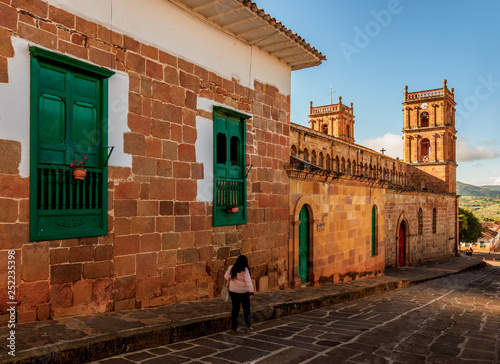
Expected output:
(244, 300)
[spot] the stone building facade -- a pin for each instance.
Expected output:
(180, 111)
(185, 150)
(354, 211)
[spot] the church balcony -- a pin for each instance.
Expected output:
(424, 94)
(424, 159)
(330, 108)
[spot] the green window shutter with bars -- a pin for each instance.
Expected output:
(68, 116)
(230, 194)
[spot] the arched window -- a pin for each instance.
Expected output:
(420, 222)
(342, 170)
(434, 220)
(337, 164)
(348, 166)
(348, 131)
(374, 230)
(320, 159)
(324, 128)
(306, 155)
(313, 157)
(425, 150)
(328, 163)
(424, 119)
(294, 150)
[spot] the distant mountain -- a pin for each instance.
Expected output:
(493, 187)
(464, 189)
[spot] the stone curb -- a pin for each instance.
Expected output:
(106, 345)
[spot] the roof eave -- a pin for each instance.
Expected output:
(242, 19)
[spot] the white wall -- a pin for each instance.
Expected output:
(15, 107)
(164, 25)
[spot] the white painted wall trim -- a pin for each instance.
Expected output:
(15, 108)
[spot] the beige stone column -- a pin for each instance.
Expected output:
(408, 117)
(408, 149)
(417, 140)
(435, 155)
(443, 147)
(435, 106)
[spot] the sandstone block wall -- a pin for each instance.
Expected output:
(435, 240)
(341, 228)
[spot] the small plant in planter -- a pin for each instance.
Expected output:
(78, 171)
(232, 209)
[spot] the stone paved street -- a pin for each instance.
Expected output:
(455, 319)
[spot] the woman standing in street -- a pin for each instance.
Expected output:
(241, 291)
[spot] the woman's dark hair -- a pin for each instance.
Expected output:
(239, 266)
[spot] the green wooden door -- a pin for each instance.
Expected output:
(304, 244)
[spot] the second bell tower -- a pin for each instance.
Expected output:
(429, 134)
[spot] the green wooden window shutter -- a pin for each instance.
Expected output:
(230, 193)
(68, 121)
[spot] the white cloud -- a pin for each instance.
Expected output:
(490, 142)
(467, 153)
(392, 143)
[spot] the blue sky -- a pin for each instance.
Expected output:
(374, 48)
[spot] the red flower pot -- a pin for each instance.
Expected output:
(79, 173)
(232, 209)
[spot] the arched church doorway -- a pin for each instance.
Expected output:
(402, 245)
(304, 244)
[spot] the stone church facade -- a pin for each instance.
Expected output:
(354, 211)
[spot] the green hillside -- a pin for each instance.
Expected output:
(464, 189)
(493, 188)
(484, 201)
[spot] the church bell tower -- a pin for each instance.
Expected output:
(335, 120)
(429, 135)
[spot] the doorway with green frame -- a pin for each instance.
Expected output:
(304, 233)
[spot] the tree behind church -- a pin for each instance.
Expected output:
(469, 226)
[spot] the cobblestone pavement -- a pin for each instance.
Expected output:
(455, 319)
(95, 336)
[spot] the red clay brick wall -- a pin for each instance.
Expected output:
(161, 246)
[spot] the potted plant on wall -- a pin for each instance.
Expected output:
(232, 209)
(78, 171)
